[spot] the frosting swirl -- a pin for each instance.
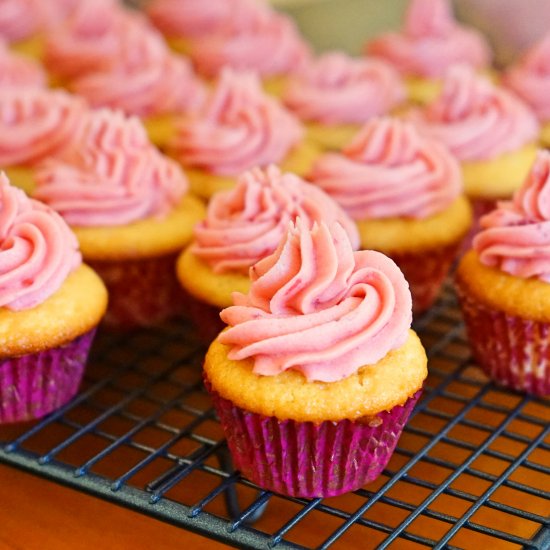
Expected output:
(114, 176)
(516, 236)
(475, 119)
(318, 307)
(18, 70)
(237, 128)
(389, 170)
(431, 42)
(18, 20)
(270, 46)
(530, 79)
(37, 123)
(146, 79)
(37, 250)
(337, 89)
(246, 224)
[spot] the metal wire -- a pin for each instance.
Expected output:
(142, 434)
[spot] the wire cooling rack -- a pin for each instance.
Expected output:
(471, 469)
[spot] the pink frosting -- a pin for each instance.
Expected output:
(18, 70)
(516, 236)
(114, 176)
(270, 46)
(18, 20)
(238, 127)
(145, 79)
(246, 224)
(318, 307)
(197, 18)
(37, 250)
(389, 170)
(530, 78)
(431, 41)
(475, 119)
(337, 89)
(37, 123)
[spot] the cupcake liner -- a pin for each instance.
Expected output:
(425, 272)
(512, 351)
(142, 292)
(36, 384)
(305, 459)
(205, 318)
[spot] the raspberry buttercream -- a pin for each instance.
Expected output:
(390, 170)
(18, 20)
(18, 70)
(475, 119)
(318, 307)
(237, 128)
(516, 236)
(246, 224)
(145, 79)
(37, 250)
(114, 176)
(431, 41)
(37, 123)
(337, 89)
(530, 78)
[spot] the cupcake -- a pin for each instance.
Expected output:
(335, 94)
(19, 70)
(504, 287)
(490, 131)
(145, 79)
(529, 78)
(430, 42)
(21, 26)
(35, 124)
(405, 193)
(237, 128)
(129, 209)
(318, 371)
(50, 305)
(241, 227)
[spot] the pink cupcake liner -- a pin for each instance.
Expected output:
(512, 351)
(36, 384)
(142, 292)
(205, 318)
(480, 207)
(425, 273)
(304, 459)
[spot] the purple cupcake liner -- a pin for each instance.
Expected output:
(36, 384)
(305, 459)
(512, 351)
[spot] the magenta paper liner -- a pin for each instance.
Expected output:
(205, 318)
(36, 384)
(142, 292)
(304, 459)
(512, 351)
(425, 273)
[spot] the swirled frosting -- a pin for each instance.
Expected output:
(431, 41)
(475, 119)
(237, 128)
(18, 20)
(246, 224)
(37, 250)
(389, 170)
(18, 70)
(530, 78)
(318, 307)
(270, 46)
(197, 18)
(37, 123)
(337, 89)
(114, 176)
(145, 79)
(516, 236)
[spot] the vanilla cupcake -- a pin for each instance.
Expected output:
(430, 42)
(21, 26)
(335, 94)
(405, 193)
(129, 208)
(238, 127)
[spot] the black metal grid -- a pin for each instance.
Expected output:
(470, 471)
